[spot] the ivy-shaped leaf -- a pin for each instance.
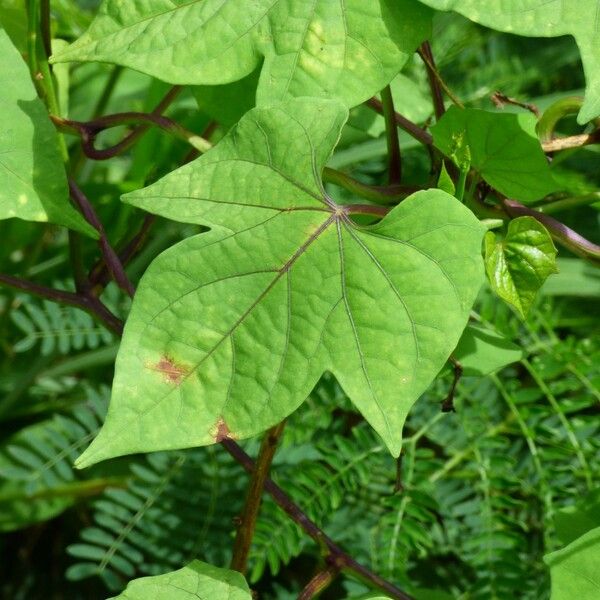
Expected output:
(230, 330)
(502, 147)
(346, 49)
(574, 569)
(518, 265)
(33, 184)
(544, 18)
(198, 580)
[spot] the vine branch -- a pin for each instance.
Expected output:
(111, 259)
(260, 472)
(405, 124)
(391, 134)
(91, 305)
(319, 582)
(336, 555)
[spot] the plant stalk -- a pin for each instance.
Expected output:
(260, 472)
(340, 558)
(391, 135)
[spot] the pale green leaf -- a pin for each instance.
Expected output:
(230, 330)
(574, 569)
(445, 181)
(198, 580)
(482, 351)
(33, 184)
(518, 265)
(544, 18)
(502, 147)
(346, 49)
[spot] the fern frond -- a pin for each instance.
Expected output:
(171, 511)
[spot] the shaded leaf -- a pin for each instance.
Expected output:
(518, 265)
(196, 580)
(230, 330)
(574, 569)
(574, 521)
(347, 49)
(33, 184)
(482, 351)
(501, 147)
(543, 18)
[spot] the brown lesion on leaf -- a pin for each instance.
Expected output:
(172, 372)
(221, 431)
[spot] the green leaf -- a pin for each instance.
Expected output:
(574, 521)
(501, 147)
(482, 351)
(346, 49)
(196, 580)
(574, 569)
(543, 18)
(445, 181)
(227, 103)
(33, 184)
(230, 330)
(518, 265)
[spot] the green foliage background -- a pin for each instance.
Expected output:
(481, 487)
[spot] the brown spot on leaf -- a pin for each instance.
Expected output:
(221, 431)
(172, 372)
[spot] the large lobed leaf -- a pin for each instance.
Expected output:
(33, 184)
(196, 581)
(544, 18)
(347, 49)
(230, 330)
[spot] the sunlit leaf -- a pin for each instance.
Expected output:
(347, 49)
(230, 330)
(544, 18)
(33, 184)
(198, 580)
(518, 265)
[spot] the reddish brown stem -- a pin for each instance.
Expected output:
(411, 128)
(437, 95)
(91, 305)
(319, 582)
(336, 554)
(260, 472)
(110, 256)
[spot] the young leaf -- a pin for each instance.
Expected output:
(346, 49)
(230, 330)
(502, 147)
(539, 18)
(197, 580)
(574, 569)
(33, 185)
(482, 351)
(518, 265)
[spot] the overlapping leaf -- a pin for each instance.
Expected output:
(518, 265)
(230, 330)
(33, 185)
(544, 18)
(502, 147)
(197, 580)
(347, 49)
